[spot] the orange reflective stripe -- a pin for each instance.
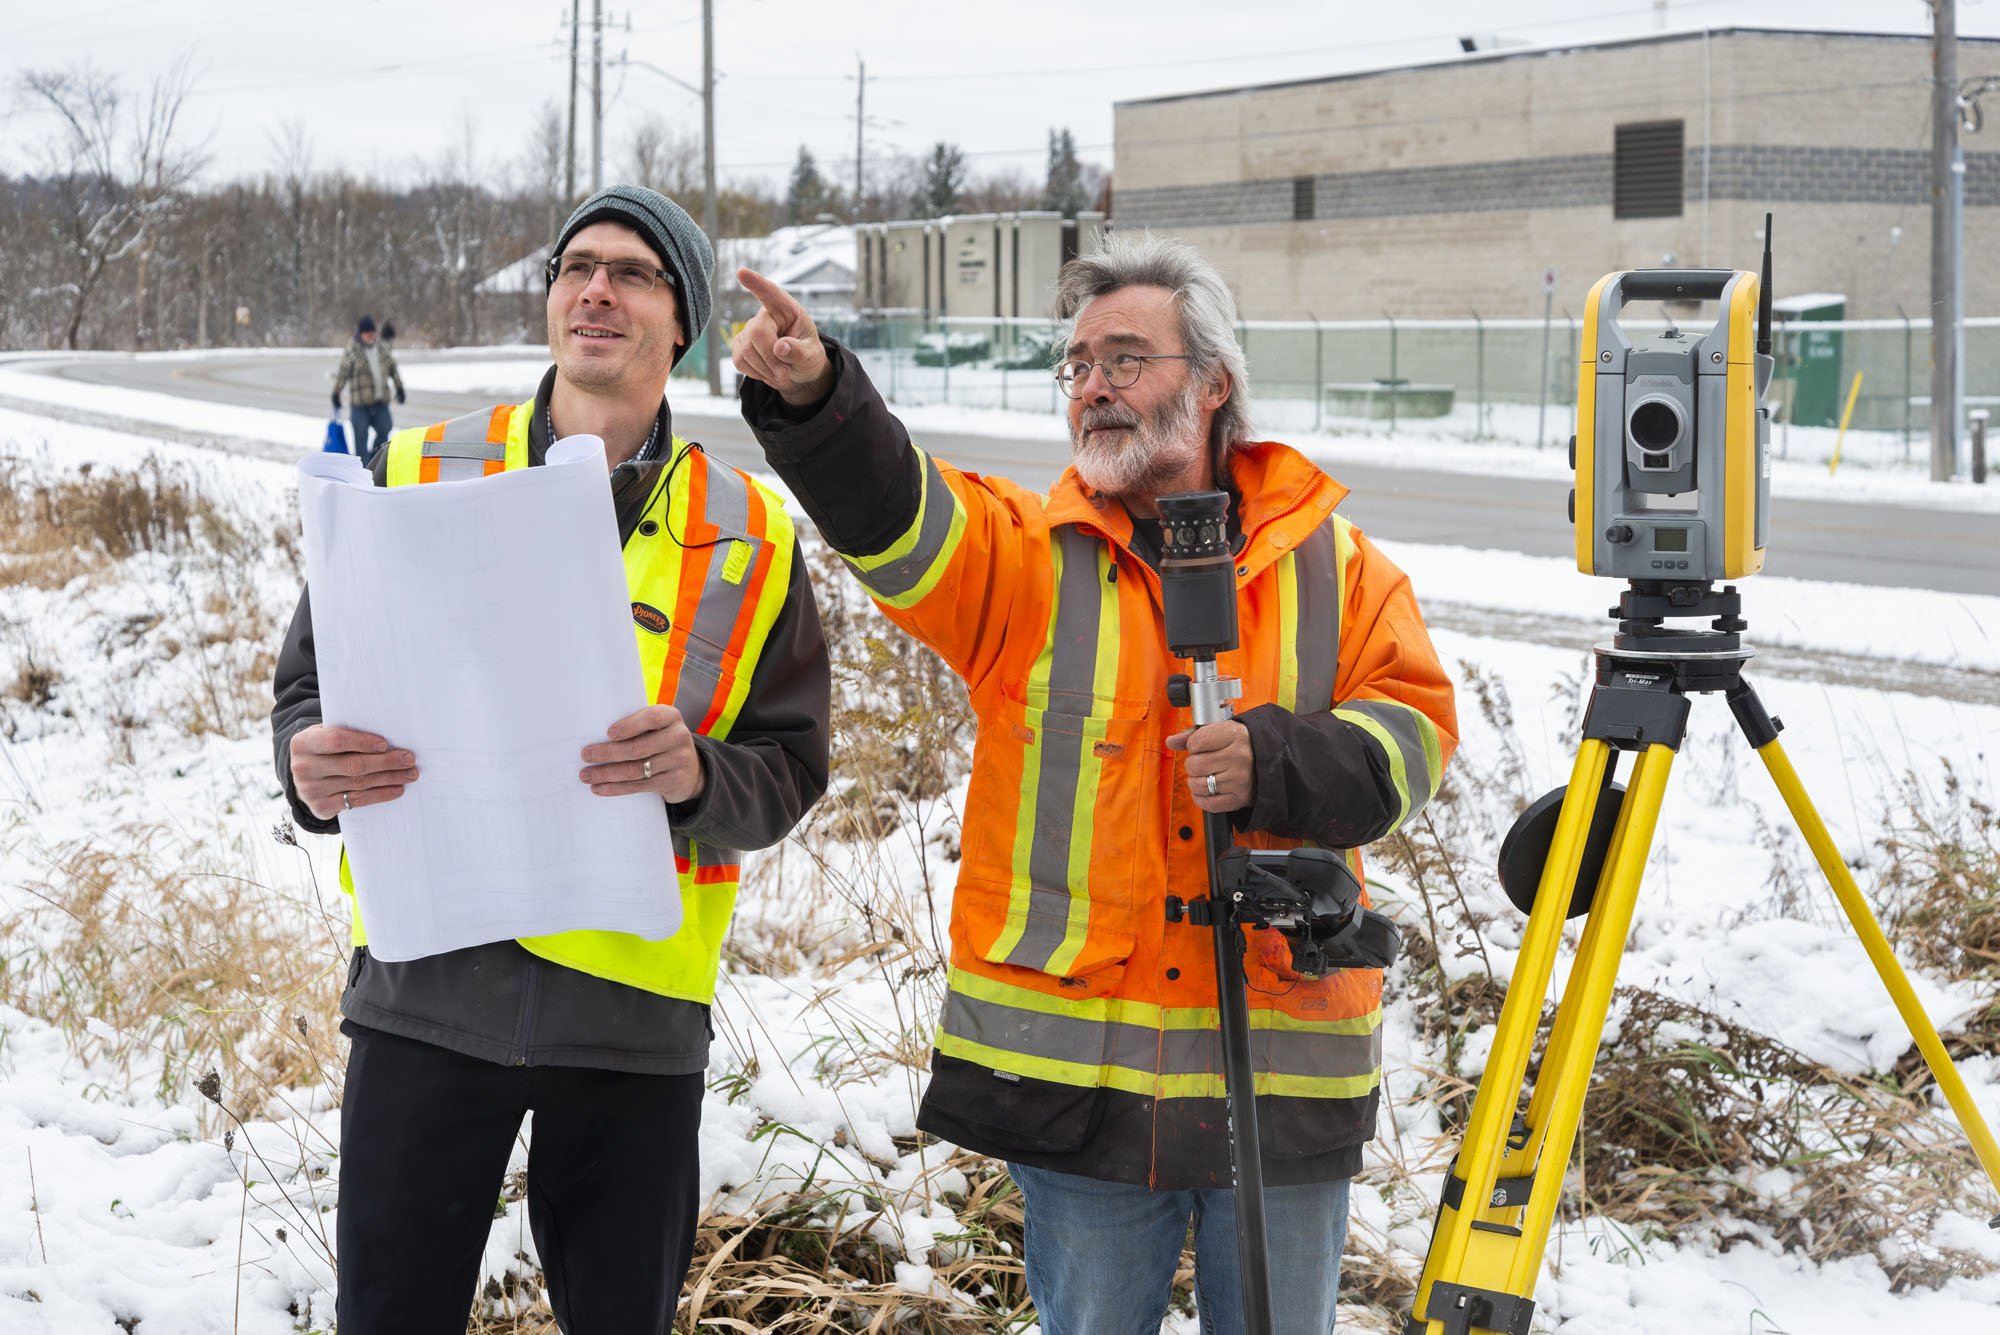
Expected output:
(694, 576)
(428, 470)
(707, 873)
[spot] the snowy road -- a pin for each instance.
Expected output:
(1876, 542)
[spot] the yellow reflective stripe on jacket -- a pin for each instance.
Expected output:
(903, 573)
(1146, 1049)
(1071, 682)
(729, 612)
(1410, 742)
(1310, 596)
(1408, 738)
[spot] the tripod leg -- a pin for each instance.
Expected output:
(1872, 939)
(1564, 1078)
(1469, 1275)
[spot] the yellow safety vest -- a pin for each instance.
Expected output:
(702, 607)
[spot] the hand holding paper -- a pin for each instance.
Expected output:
(651, 751)
(339, 769)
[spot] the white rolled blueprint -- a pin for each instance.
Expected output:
(485, 626)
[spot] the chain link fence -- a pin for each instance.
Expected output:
(1474, 379)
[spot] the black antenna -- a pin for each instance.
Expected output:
(1764, 296)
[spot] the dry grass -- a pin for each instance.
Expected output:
(1939, 895)
(1686, 1111)
(160, 963)
(61, 531)
(61, 527)
(168, 969)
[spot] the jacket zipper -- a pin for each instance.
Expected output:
(525, 1021)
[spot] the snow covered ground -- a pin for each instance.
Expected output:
(131, 1197)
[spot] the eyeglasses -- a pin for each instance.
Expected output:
(1120, 371)
(626, 275)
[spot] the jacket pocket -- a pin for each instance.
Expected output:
(707, 675)
(983, 1110)
(1056, 813)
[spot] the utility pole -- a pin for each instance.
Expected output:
(1947, 242)
(569, 170)
(708, 213)
(860, 92)
(596, 95)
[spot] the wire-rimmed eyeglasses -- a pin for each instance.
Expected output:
(1121, 371)
(626, 275)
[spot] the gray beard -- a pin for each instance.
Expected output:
(1158, 450)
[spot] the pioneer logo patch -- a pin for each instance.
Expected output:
(652, 618)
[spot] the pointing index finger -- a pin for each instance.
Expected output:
(773, 298)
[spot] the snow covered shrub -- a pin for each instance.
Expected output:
(159, 961)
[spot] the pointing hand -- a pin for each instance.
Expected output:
(780, 346)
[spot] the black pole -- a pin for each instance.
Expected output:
(1232, 1004)
(1198, 604)
(1245, 1141)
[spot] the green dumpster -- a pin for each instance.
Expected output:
(1809, 358)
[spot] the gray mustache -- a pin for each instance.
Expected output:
(1099, 416)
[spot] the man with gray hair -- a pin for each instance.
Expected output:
(1079, 1037)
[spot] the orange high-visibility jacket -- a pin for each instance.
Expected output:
(1080, 1027)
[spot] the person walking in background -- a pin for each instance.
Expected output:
(371, 367)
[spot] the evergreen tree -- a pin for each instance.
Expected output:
(939, 184)
(1065, 191)
(807, 197)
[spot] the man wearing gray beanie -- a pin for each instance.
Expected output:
(602, 1036)
(676, 241)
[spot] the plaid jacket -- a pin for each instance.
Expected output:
(354, 367)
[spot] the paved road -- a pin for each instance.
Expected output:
(1896, 545)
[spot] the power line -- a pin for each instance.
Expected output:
(1068, 71)
(1453, 115)
(249, 13)
(461, 63)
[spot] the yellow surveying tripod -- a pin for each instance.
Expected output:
(1672, 482)
(1582, 849)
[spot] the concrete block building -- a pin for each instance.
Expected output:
(1437, 191)
(973, 266)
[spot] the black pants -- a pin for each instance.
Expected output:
(425, 1135)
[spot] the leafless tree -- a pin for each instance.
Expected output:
(668, 160)
(542, 165)
(117, 177)
(1005, 190)
(291, 150)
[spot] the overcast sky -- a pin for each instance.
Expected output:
(382, 86)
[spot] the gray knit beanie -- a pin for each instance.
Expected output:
(681, 245)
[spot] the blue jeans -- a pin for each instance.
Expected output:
(1101, 1255)
(363, 416)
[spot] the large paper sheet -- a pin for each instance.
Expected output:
(485, 625)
